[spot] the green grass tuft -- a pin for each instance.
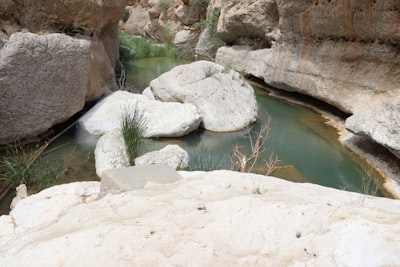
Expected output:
(16, 168)
(132, 128)
(204, 161)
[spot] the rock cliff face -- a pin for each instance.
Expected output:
(173, 21)
(46, 75)
(343, 52)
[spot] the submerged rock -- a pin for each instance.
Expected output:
(161, 119)
(219, 218)
(136, 177)
(224, 99)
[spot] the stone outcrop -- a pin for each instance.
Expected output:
(248, 22)
(219, 218)
(86, 16)
(161, 119)
(381, 124)
(224, 99)
(47, 76)
(185, 41)
(46, 79)
(344, 53)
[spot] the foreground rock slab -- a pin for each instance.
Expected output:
(161, 119)
(205, 219)
(224, 99)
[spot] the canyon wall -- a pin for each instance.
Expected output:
(343, 52)
(54, 57)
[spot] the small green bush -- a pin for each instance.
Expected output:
(212, 20)
(132, 47)
(133, 126)
(16, 168)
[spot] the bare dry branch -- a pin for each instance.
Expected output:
(245, 163)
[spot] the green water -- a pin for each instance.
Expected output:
(305, 154)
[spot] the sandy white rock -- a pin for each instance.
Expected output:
(171, 155)
(224, 99)
(161, 119)
(209, 219)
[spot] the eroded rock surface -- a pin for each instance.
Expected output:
(381, 124)
(47, 76)
(224, 99)
(86, 16)
(205, 219)
(344, 53)
(46, 79)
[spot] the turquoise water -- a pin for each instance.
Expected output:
(305, 155)
(295, 138)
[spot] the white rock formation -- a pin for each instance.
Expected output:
(381, 124)
(225, 100)
(205, 219)
(161, 119)
(110, 152)
(21, 193)
(171, 155)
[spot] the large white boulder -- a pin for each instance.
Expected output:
(204, 219)
(161, 119)
(110, 152)
(171, 155)
(225, 100)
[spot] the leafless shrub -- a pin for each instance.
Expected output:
(246, 163)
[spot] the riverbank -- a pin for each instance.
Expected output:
(386, 166)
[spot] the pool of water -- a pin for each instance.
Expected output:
(306, 155)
